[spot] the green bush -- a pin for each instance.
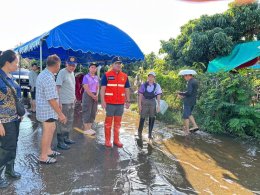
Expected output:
(224, 104)
(170, 83)
(224, 100)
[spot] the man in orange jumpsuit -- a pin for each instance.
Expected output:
(114, 95)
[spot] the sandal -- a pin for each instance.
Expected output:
(49, 160)
(193, 130)
(54, 154)
(89, 132)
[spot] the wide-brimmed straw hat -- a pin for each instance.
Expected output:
(187, 72)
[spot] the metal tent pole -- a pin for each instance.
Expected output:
(20, 66)
(41, 54)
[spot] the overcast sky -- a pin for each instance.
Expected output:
(146, 21)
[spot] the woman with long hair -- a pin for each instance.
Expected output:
(9, 119)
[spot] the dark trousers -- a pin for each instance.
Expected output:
(63, 130)
(68, 111)
(89, 108)
(8, 143)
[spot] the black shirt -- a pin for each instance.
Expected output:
(190, 94)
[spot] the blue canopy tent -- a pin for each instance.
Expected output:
(86, 39)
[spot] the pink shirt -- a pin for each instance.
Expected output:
(92, 82)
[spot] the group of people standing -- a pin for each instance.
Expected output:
(55, 103)
(53, 100)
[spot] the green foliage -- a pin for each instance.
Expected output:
(135, 68)
(24, 63)
(170, 83)
(134, 107)
(224, 99)
(202, 40)
(224, 104)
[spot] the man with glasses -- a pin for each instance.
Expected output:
(66, 89)
(114, 95)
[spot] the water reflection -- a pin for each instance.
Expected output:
(174, 164)
(26, 162)
(217, 161)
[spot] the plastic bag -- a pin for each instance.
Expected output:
(163, 106)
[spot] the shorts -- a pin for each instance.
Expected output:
(50, 120)
(148, 108)
(114, 109)
(187, 110)
(33, 93)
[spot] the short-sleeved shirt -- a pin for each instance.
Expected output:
(66, 80)
(45, 90)
(104, 81)
(7, 101)
(32, 78)
(92, 82)
(150, 88)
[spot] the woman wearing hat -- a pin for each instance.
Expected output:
(149, 92)
(90, 98)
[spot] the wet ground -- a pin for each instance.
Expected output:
(174, 164)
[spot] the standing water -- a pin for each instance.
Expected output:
(174, 164)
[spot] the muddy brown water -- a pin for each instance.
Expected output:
(175, 164)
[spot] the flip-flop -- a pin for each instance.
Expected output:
(54, 154)
(90, 132)
(49, 160)
(193, 130)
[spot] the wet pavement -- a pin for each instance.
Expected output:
(174, 164)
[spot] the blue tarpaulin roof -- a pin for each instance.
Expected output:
(256, 66)
(87, 39)
(241, 54)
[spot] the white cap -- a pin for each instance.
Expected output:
(152, 73)
(187, 72)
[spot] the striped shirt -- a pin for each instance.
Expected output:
(45, 90)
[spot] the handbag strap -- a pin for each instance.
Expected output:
(12, 89)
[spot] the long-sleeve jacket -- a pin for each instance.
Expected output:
(190, 94)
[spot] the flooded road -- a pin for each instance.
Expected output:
(196, 164)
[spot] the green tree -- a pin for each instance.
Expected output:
(202, 40)
(149, 62)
